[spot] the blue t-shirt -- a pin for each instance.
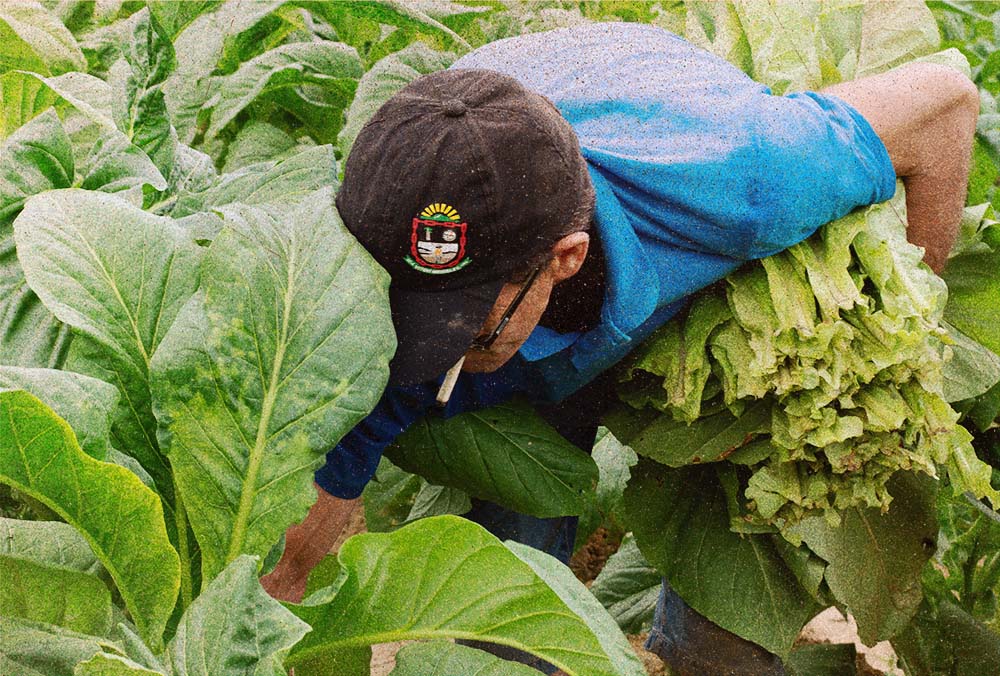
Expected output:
(697, 169)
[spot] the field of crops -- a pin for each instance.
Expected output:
(186, 328)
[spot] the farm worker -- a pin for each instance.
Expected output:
(551, 199)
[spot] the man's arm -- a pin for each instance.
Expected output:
(307, 543)
(925, 114)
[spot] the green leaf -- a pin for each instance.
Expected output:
(119, 276)
(381, 83)
(84, 403)
(676, 443)
(330, 65)
(35, 158)
(614, 461)
(121, 519)
(974, 295)
(115, 164)
(972, 370)
(444, 577)
(628, 586)
(835, 659)
(388, 497)
(44, 593)
(284, 348)
(32, 38)
(140, 107)
(434, 500)
(22, 97)
(212, 639)
(176, 16)
(946, 640)
(279, 183)
(443, 658)
(875, 559)
(505, 454)
(36, 649)
(681, 524)
(258, 141)
(93, 97)
(104, 664)
(200, 45)
(48, 542)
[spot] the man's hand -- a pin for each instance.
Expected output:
(925, 115)
(306, 544)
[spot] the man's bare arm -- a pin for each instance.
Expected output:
(925, 115)
(306, 544)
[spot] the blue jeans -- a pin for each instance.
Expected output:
(687, 641)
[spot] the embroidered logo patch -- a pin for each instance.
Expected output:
(437, 241)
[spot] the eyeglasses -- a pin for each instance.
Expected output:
(484, 342)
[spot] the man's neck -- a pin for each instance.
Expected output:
(575, 305)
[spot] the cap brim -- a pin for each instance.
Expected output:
(434, 329)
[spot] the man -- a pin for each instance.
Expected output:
(534, 245)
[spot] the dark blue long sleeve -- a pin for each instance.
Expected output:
(352, 462)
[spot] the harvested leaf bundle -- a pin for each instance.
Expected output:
(835, 348)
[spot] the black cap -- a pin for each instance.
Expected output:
(456, 182)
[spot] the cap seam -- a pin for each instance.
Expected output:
(547, 133)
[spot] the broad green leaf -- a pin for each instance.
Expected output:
(22, 97)
(505, 454)
(628, 586)
(681, 524)
(258, 141)
(59, 596)
(200, 45)
(434, 500)
(331, 65)
(443, 658)
(614, 462)
(284, 348)
(115, 164)
(176, 16)
(104, 664)
(36, 649)
(36, 158)
(140, 107)
(972, 370)
(381, 83)
(974, 295)
(32, 38)
(49, 542)
(85, 403)
(875, 559)
(121, 519)
(946, 640)
(90, 95)
(445, 577)
(676, 444)
(119, 276)
(834, 659)
(388, 498)
(212, 639)
(893, 33)
(279, 183)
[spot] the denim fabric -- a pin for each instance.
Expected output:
(692, 644)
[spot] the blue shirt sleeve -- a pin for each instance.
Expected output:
(818, 158)
(353, 461)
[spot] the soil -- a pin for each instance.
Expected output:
(588, 561)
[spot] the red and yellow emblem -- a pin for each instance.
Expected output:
(437, 241)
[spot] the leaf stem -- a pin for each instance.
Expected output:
(180, 519)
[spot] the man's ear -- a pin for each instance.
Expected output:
(568, 255)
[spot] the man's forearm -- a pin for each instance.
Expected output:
(926, 117)
(307, 543)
